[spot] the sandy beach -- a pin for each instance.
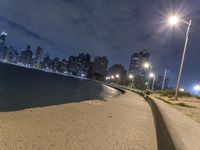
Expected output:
(118, 123)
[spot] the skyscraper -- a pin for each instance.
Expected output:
(116, 69)
(38, 56)
(2, 43)
(80, 65)
(3, 38)
(46, 61)
(137, 61)
(26, 56)
(100, 65)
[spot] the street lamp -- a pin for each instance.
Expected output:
(112, 77)
(131, 77)
(147, 65)
(117, 76)
(152, 75)
(197, 88)
(173, 20)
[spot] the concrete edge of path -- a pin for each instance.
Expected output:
(174, 129)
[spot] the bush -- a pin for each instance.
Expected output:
(171, 93)
(168, 93)
(184, 94)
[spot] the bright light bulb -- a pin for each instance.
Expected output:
(151, 75)
(130, 76)
(146, 65)
(117, 76)
(197, 87)
(173, 20)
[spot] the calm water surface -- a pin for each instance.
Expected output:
(22, 88)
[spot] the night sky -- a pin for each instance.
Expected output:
(115, 28)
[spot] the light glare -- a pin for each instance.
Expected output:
(173, 20)
(146, 65)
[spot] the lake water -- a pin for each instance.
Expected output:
(22, 88)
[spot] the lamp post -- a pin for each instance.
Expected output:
(131, 77)
(117, 76)
(152, 75)
(148, 65)
(173, 21)
(164, 78)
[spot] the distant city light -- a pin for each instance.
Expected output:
(82, 75)
(4, 33)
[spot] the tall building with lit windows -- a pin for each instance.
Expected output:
(100, 65)
(38, 56)
(2, 43)
(137, 61)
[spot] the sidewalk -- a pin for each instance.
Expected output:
(119, 123)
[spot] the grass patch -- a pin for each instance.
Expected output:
(184, 105)
(198, 97)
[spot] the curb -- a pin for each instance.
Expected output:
(164, 140)
(174, 130)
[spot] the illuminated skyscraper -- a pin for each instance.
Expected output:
(2, 43)
(100, 65)
(26, 56)
(38, 56)
(137, 61)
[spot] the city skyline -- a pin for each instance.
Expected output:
(121, 29)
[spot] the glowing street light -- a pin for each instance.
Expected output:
(131, 77)
(181, 89)
(197, 87)
(147, 65)
(112, 77)
(173, 20)
(152, 75)
(107, 78)
(117, 76)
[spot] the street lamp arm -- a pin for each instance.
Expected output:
(186, 22)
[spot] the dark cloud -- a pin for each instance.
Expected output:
(115, 28)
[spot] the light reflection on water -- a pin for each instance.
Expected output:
(22, 88)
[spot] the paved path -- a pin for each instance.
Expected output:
(120, 123)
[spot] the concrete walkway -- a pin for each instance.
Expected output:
(120, 123)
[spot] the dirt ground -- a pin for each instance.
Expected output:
(190, 106)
